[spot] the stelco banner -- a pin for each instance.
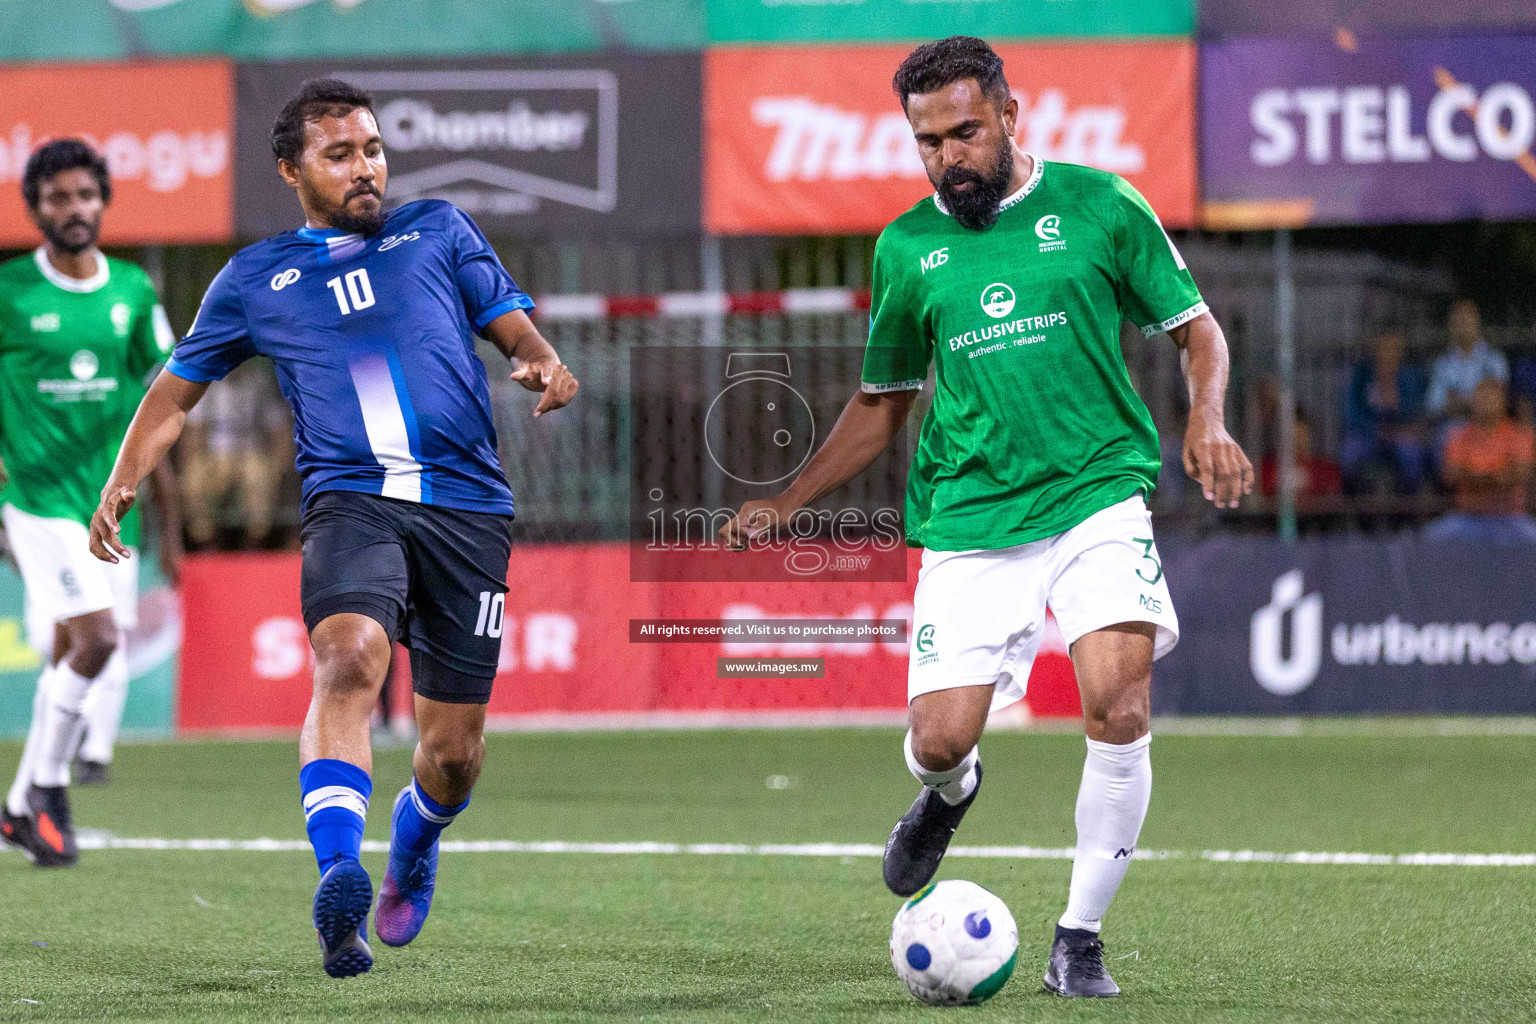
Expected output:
(1368, 130)
(298, 29)
(601, 146)
(881, 20)
(1271, 628)
(811, 140)
(165, 129)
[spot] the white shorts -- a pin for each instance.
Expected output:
(63, 579)
(979, 616)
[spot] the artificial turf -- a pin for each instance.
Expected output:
(224, 936)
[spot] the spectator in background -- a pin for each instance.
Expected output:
(1316, 475)
(1522, 387)
(1488, 463)
(1466, 361)
(237, 444)
(1383, 417)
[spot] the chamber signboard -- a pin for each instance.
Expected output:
(1368, 130)
(598, 146)
(811, 140)
(172, 163)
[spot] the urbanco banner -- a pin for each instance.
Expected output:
(164, 127)
(597, 146)
(304, 29)
(1348, 625)
(737, 21)
(812, 140)
(1367, 129)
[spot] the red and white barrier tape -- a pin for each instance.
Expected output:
(698, 304)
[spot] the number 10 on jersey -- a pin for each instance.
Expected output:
(357, 287)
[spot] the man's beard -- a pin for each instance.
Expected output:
(365, 224)
(57, 239)
(978, 207)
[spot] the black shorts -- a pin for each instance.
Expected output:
(434, 578)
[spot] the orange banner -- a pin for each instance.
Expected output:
(166, 130)
(811, 140)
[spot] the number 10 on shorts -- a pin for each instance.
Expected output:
(492, 607)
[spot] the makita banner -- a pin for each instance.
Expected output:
(1368, 129)
(1349, 625)
(811, 140)
(604, 146)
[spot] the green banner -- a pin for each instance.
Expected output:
(292, 29)
(152, 650)
(777, 21)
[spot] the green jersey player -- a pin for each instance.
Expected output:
(79, 332)
(1028, 487)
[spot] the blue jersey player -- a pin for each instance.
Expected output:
(369, 319)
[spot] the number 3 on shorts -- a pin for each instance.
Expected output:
(1146, 553)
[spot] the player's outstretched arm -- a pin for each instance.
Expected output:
(155, 427)
(1211, 456)
(867, 425)
(538, 367)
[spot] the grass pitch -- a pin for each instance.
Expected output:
(224, 936)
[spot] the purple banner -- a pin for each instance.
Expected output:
(1367, 130)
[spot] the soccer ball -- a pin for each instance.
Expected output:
(954, 943)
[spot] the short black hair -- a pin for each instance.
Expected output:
(316, 98)
(56, 157)
(932, 66)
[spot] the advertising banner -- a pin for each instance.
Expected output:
(772, 21)
(152, 649)
(1274, 629)
(301, 29)
(567, 645)
(165, 129)
(1244, 17)
(1368, 130)
(811, 140)
(605, 146)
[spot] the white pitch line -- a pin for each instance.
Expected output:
(1472, 860)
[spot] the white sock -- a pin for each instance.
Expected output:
(952, 786)
(60, 718)
(16, 799)
(104, 706)
(1111, 805)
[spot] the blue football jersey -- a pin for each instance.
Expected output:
(372, 340)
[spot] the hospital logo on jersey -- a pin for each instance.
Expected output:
(926, 655)
(997, 300)
(84, 364)
(46, 323)
(1048, 230)
(121, 316)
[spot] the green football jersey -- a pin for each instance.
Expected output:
(1034, 425)
(74, 355)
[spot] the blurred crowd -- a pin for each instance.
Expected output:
(1459, 428)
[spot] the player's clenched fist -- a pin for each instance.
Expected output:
(553, 378)
(754, 519)
(106, 525)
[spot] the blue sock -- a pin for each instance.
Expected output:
(335, 797)
(421, 819)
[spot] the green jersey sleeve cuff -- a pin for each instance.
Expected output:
(1183, 318)
(871, 388)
